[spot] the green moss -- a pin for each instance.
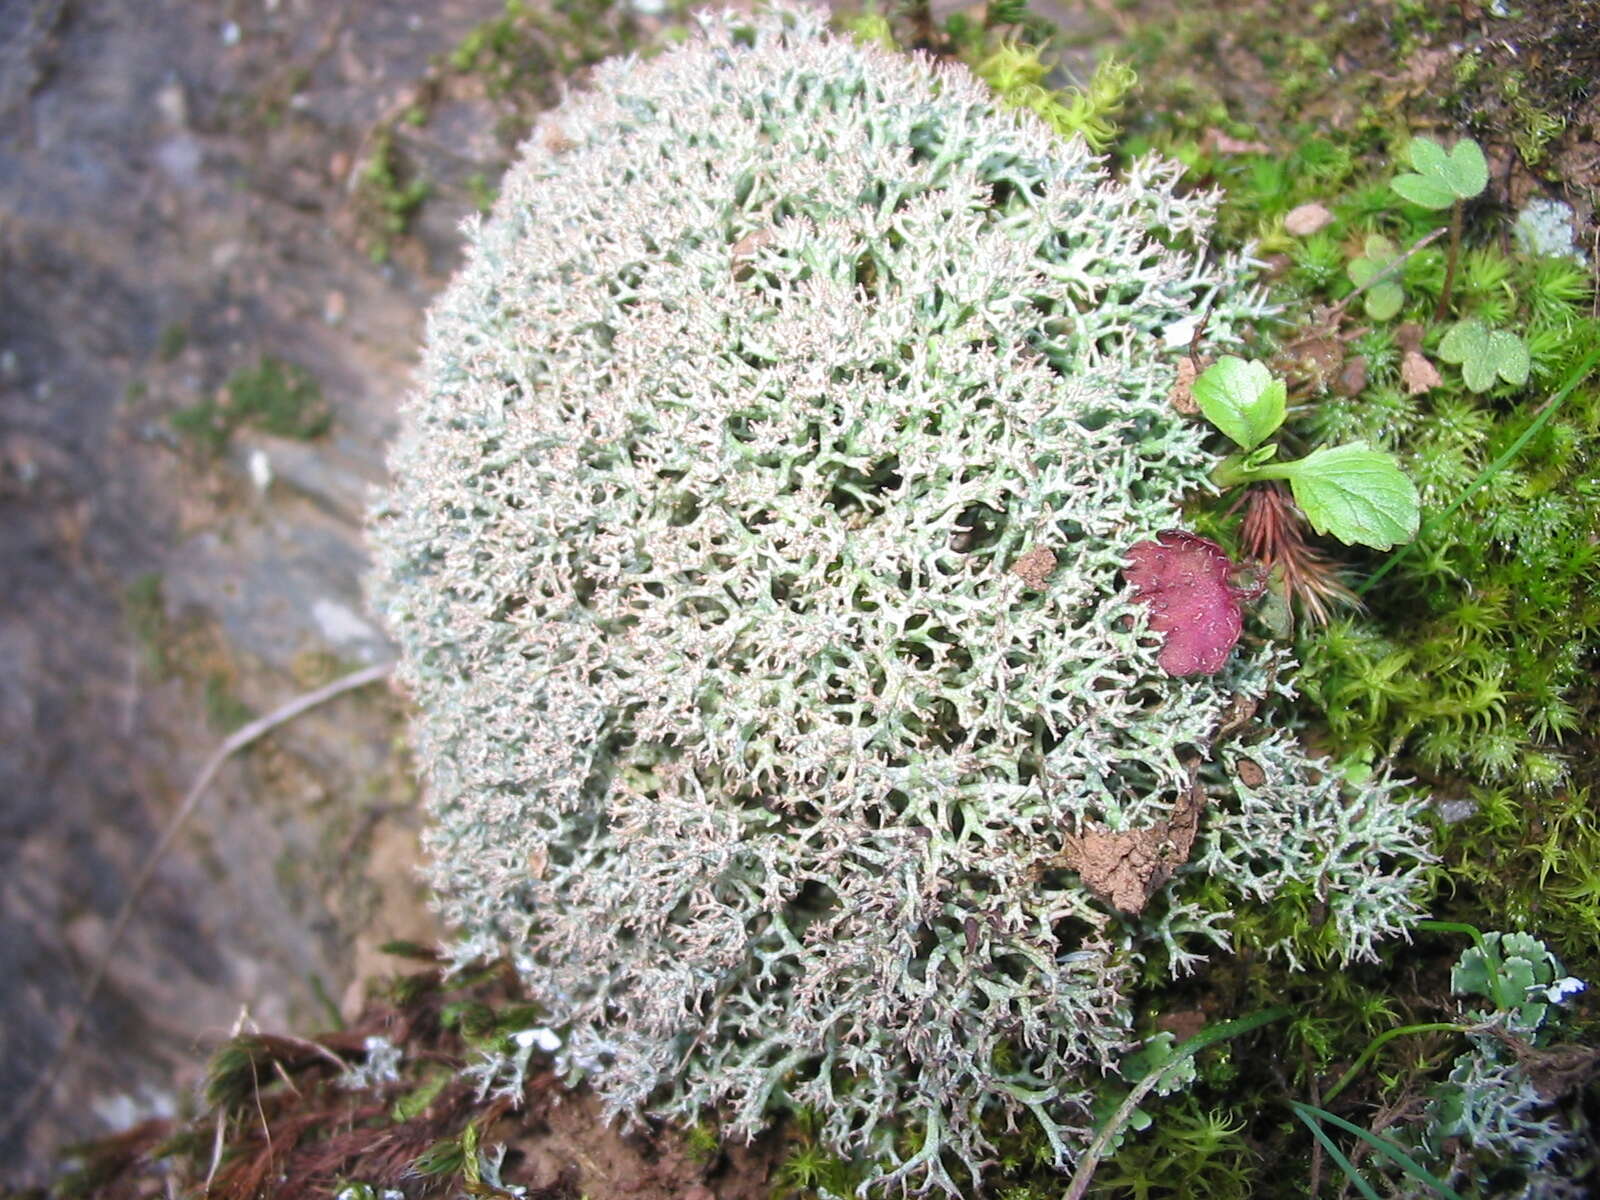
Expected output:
(274, 396)
(173, 340)
(388, 195)
(144, 611)
(225, 712)
(524, 53)
(1473, 657)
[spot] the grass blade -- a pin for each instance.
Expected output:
(1380, 1145)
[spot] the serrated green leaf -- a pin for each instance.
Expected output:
(1356, 494)
(1517, 976)
(1242, 399)
(1470, 976)
(1420, 190)
(1526, 946)
(1383, 300)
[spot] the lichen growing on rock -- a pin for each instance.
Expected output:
(755, 723)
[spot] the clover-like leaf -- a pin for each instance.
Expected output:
(1542, 964)
(1422, 191)
(1428, 157)
(1383, 299)
(1242, 399)
(1485, 355)
(1442, 177)
(1356, 494)
(1467, 172)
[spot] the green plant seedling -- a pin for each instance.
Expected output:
(1441, 178)
(1382, 299)
(1485, 354)
(1242, 399)
(1351, 492)
(1444, 180)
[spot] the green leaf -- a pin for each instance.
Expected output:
(1428, 157)
(1242, 399)
(1379, 249)
(1383, 300)
(1422, 191)
(1361, 270)
(1471, 976)
(1393, 1151)
(1260, 455)
(1511, 359)
(1485, 355)
(1467, 173)
(1443, 178)
(1356, 494)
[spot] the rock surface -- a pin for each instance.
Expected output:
(176, 183)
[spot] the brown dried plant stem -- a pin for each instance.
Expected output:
(41, 1091)
(1380, 276)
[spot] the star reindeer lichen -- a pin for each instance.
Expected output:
(755, 552)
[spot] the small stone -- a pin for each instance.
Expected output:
(1307, 219)
(260, 471)
(1418, 374)
(1226, 144)
(173, 105)
(333, 308)
(231, 33)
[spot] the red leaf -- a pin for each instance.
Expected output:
(1187, 583)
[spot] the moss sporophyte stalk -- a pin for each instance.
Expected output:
(756, 552)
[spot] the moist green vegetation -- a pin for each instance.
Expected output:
(389, 194)
(520, 58)
(526, 52)
(276, 397)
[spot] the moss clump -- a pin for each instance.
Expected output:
(274, 396)
(144, 611)
(388, 195)
(526, 52)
